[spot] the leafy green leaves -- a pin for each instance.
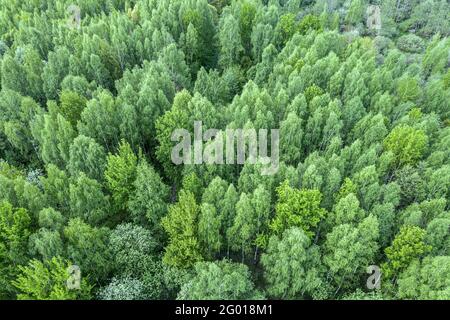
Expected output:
(407, 246)
(408, 144)
(299, 208)
(180, 223)
(48, 281)
(86, 173)
(221, 280)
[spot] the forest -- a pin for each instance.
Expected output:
(93, 207)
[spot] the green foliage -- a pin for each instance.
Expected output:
(47, 241)
(438, 236)
(291, 133)
(292, 266)
(355, 12)
(55, 136)
(220, 280)
(99, 120)
(88, 248)
(287, 26)
(361, 295)
(407, 246)
(88, 120)
(426, 280)
(71, 106)
(132, 247)
(148, 196)
(87, 201)
(308, 23)
(358, 244)
(56, 187)
(408, 89)
(123, 289)
(15, 226)
(348, 187)
(297, 208)
(48, 281)
(209, 224)
(250, 221)
(173, 119)
(87, 156)
(120, 174)
(312, 92)
(347, 210)
(179, 223)
(411, 43)
(230, 41)
(407, 144)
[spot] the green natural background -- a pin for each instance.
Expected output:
(86, 115)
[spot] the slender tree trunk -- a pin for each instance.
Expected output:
(256, 254)
(316, 239)
(173, 196)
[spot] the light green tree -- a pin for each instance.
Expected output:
(407, 144)
(120, 174)
(48, 281)
(15, 228)
(148, 197)
(180, 222)
(408, 245)
(297, 208)
(220, 280)
(291, 265)
(87, 156)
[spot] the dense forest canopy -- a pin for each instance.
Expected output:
(92, 207)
